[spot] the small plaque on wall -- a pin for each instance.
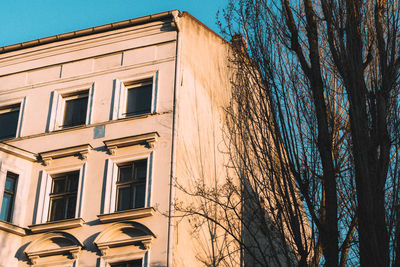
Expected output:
(99, 131)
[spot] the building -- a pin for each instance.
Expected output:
(96, 126)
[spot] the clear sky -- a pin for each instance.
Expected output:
(25, 20)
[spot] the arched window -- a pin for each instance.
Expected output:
(56, 248)
(124, 242)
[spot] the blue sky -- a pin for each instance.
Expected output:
(24, 20)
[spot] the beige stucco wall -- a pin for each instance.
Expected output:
(199, 79)
(202, 94)
(11, 243)
(93, 61)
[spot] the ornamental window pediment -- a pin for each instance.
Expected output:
(133, 236)
(57, 248)
(148, 140)
(80, 151)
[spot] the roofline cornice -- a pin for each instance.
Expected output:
(89, 31)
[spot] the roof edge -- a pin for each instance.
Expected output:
(185, 13)
(88, 31)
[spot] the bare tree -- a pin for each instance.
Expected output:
(313, 135)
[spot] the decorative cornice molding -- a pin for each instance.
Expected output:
(57, 225)
(81, 151)
(147, 140)
(90, 31)
(124, 234)
(141, 241)
(74, 250)
(12, 228)
(21, 153)
(65, 244)
(126, 215)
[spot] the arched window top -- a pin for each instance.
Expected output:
(55, 243)
(124, 234)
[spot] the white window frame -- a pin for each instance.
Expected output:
(65, 99)
(46, 183)
(18, 213)
(112, 177)
(120, 93)
(58, 100)
(20, 102)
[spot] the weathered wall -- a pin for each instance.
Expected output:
(203, 93)
(100, 63)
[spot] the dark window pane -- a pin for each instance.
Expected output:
(75, 112)
(6, 207)
(71, 204)
(135, 263)
(57, 209)
(125, 173)
(59, 185)
(140, 169)
(10, 183)
(139, 100)
(73, 179)
(8, 124)
(124, 196)
(140, 191)
(8, 197)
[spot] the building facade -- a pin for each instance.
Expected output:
(96, 127)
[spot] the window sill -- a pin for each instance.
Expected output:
(5, 139)
(126, 215)
(92, 125)
(12, 228)
(72, 127)
(137, 116)
(67, 129)
(57, 225)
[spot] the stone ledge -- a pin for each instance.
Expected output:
(57, 225)
(18, 152)
(12, 228)
(80, 151)
(142, 242)
(126, 215)
(147, 139)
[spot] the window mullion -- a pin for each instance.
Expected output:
(66, 207)
(132, 197)
(133, 200)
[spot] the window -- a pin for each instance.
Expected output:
(9, 121)
(128, 181)
(61, 190)
(7, 205)
(71, 106)
(75, 109)
(138, 98)
(63, 196)
(135, 263)
(131, 185)
(134, 97)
